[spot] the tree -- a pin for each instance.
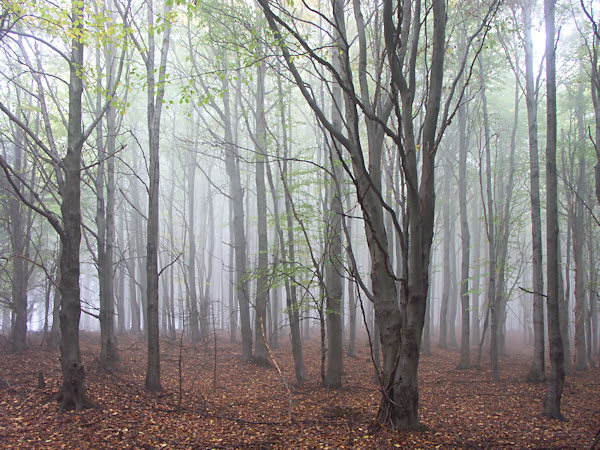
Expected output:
(400, 326)
(557, 371)
(73, 393)
(155, 92)
(537, 370)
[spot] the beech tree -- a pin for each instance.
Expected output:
(400, 324)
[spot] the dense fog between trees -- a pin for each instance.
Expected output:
(415, 175)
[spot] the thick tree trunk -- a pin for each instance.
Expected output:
(557, 371)
(73, 391)
(333, 234)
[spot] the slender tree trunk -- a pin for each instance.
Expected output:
(578, 228)
(261, 355)
(446, 283)
(492, 303)
(465, 240)
(120, 295)
(537, 371)
(155, 96)
(18, 236)
(475, 310)
(288, 255)
(232, 166)
(557, 371)
(191, 265)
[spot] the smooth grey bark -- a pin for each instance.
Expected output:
(236, 195)
(557, 371)
(333, 230)
(563, 304)
(105, 234)
(465, 238)
(233, 310)
(19, 227)
(120, 291)
(491, 235)
(130, 265)
(54, 338)
(454, 291)
(578, 229)
(261, 355)
(191, 264)
(155, 98)
(446, 282)
(205, 308)
(537, 371)
(503, 230)
(593, 301)
(475, 312)
(288, 251)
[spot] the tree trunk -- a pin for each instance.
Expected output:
(236, 192)
(73, 392)
(191, 265)
(105, 217)
(261, 355)
(557, 371)
(465, 238)
(333, 233)
(155, 96)
(537, 371)
(579, 242)
(490, 224)
(18, 236)
(446, 283)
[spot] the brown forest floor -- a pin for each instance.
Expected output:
(249, 406)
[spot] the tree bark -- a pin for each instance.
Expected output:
(261, 355)
(73, 391)
(191, 265)
(155, 96)
(491, 236)
(465, 241)
(557, 371)
(537, 371)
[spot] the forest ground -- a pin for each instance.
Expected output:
(248, 407)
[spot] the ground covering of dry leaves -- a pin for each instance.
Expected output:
(248, 407)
